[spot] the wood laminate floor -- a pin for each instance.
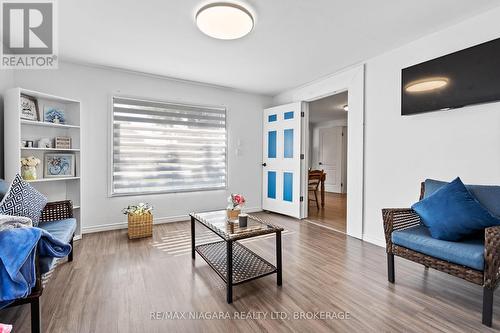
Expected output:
(334, 213)
(114, 285)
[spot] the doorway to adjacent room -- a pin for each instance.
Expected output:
(327, 172)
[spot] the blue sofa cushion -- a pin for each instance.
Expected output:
(23, 199)
(4, 188)
(452, 212)
(487, 195)
(60, 229)
(469, 252)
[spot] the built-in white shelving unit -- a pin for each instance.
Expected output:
(18, 130)
(49, 149)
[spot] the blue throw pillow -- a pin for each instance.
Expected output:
(452, 213)
(23, 200)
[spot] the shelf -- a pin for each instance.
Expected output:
(49, 149)
(247, 265)
(44, 124)
(52, 179)
(18, 130)
(38, 94)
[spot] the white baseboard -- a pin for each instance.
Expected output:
(374, 240)
(157, 220)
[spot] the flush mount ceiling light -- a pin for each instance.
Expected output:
(426, 85)
(346, 107)
(223, 20)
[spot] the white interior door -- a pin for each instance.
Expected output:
(330, 157)
(281, 160)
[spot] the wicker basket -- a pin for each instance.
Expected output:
(140, 225)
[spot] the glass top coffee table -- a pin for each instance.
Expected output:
(231, 260)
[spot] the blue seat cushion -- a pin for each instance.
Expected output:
(487, 195)
(60, 229)
(452, 213)
(469, 252)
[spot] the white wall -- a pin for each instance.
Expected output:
(95, 86)
(400, 152)
(6, 82)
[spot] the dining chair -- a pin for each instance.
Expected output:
(315, 177)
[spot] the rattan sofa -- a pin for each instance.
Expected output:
(400, 219)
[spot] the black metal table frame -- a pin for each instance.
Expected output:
(229, 257)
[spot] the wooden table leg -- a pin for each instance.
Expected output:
(323, 192)
(279, 279)
(192, 238)
(229, 252)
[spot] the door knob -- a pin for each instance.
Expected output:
(264, 164)
(320, 163)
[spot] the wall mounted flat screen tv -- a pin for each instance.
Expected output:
(470, 76)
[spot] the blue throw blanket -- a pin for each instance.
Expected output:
(18, 247)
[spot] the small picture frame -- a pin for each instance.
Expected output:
(53, 115)
(62, 142)
(44, 143)
(29, 108)
(58, 165)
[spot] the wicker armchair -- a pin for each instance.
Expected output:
(53, 211)
(402, 218)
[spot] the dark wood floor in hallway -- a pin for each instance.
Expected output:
(114, 285)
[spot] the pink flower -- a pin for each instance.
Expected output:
(238, 198)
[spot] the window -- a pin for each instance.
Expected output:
(164, 147)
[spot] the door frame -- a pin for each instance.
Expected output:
(352, 80)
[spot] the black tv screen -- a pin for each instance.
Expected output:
(466, 77)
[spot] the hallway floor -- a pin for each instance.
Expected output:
(333, 215)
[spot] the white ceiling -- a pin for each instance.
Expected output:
(294, 41)
(328, 108)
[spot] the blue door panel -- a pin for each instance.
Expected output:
(271, 144)
(288, 143)
(288, 186)
(271, 184)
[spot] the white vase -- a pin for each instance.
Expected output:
(28, 172)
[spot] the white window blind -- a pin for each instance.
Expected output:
(165, 147)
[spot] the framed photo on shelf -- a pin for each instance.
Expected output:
(62, 142)
(53, 115)
(29, 108)
(59, 165)
(44, 143)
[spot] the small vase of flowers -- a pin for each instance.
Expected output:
(28, 167)
(236, 203)
(140, 220)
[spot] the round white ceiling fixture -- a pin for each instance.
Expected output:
(224, 20)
